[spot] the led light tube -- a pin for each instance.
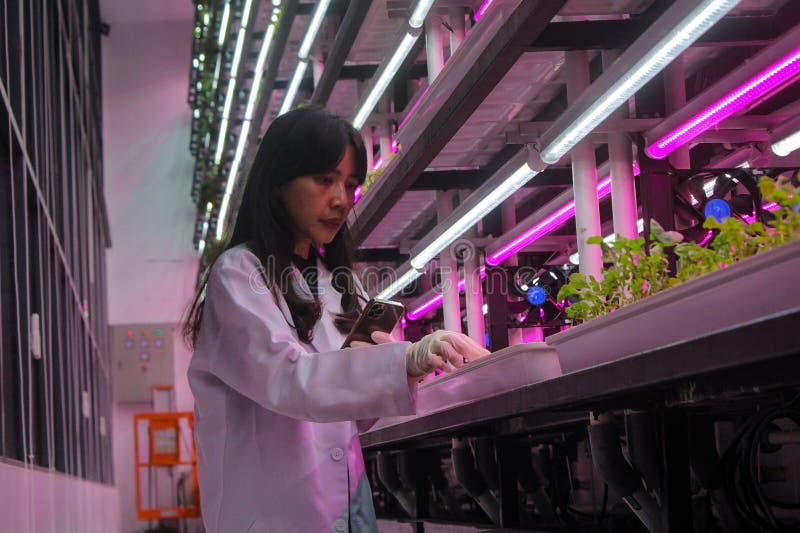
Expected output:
(436, 301)
(548, 224)
(226, 198)
(262, 58)
(313, 28)
(417, 18)
(294, 85)
(385, 76)
(676, 30)
(516, 180)
(481, 10)
(773, 77)
(786, 139)
(543, 227)
(399, 284)
(760, 76)
(223, 29)
(237, 54)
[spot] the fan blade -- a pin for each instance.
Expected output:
(742, 204)
(696, 233)
(723, 186)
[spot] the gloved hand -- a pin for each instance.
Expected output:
(440, 350)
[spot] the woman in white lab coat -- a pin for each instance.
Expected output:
(278, 404)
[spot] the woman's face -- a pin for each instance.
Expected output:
(318, 204)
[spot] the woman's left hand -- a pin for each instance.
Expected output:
(378, 337)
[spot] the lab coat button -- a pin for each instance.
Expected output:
(341, 525)
(337, 454)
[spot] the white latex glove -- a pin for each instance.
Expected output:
(440, 350)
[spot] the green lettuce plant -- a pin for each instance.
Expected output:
(636, 273)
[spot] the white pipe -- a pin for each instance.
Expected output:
(451, 303)
(623, 187)
(433, 49)
(508, 215)
(675, 99)
(456, 16)
(584, 174)
(476, 327)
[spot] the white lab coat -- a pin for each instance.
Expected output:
(275, 418)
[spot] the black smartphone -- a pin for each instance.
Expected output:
(378, 315)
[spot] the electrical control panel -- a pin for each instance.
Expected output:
(142, 356)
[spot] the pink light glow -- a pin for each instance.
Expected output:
(481, 10)
(394, 146)
(765, 81)
(706, 238)
(359, 193)
(545, 226)
(772, 206)
(413, 108)
(377, 164)
(436, 301)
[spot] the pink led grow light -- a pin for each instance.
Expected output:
(481, 10)
(765, 81)
(436, 301)
(547, 225)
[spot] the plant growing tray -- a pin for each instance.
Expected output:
(755, 287)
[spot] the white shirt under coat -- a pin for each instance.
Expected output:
(275, 418)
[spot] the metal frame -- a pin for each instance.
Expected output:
(49, 101)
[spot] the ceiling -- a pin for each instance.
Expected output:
(532, 89)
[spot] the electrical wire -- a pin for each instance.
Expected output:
(736, 473)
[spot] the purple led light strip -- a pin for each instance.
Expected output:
(765, 81)
(547, 225)
(436, 301)
(481, 10)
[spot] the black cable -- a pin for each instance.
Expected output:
(736, 472)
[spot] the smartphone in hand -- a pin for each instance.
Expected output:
(378, 315)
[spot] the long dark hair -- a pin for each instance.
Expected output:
(302, 142)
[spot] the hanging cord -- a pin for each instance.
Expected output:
(736, 473)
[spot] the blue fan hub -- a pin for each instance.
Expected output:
(536, 295)
(717, 208)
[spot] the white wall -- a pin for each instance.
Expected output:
(46, 502)
(152, 265)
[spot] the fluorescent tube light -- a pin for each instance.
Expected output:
(548, 224)
(226, 198)
(769, 79)
(313, 28)
(417, 18)
(681, 31)
(262, 58)
(223, 27)
(384, 78)
(786, 138)
(294, 85)
(436, 300)
(237, 54)
(787, 145)
(516, 180)
(399, 284)
(481, 10)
